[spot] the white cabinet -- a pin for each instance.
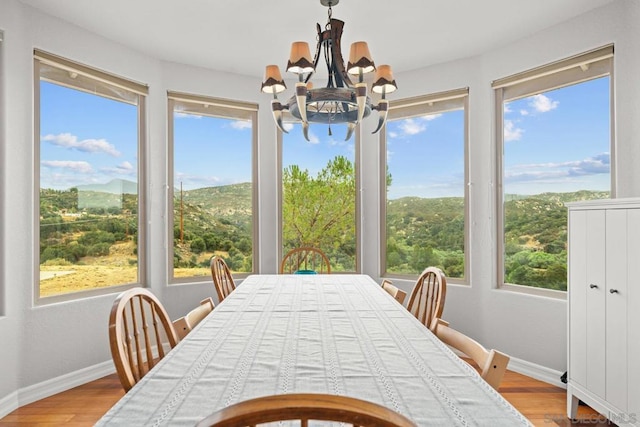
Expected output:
(604, 308)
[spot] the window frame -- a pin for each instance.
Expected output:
(570, 71)
(140, 91)
(434, 103)
(222, 108)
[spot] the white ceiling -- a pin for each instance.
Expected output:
(242, 36)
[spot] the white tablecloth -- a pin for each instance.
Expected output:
(339, 334)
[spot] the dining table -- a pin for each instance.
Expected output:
(339, 334)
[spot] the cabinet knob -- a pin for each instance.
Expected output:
(613, 291)
(592, 286)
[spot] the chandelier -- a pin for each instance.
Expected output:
(341, 100)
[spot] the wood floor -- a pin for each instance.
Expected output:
(541, 403)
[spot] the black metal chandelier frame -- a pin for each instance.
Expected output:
(340, 101)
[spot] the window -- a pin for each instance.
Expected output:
(213, 143)
(319, 193)
(555, 147)
(89, 128)
(423, 184)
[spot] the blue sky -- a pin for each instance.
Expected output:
(85, 139)
(425, 155)
(556, 141)
(314, 154)
(211, 151)
(559, 141)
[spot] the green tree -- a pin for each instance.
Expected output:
(320, 211)
(198, 245)
(423, 257)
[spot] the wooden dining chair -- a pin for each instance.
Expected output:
(492, 363)
(305, 260)
(139, 328)
(427, 297)
(306, 407)
(394, 291)
(222, 278)
(185, 324)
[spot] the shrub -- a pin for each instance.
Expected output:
(95, 237)
(56, 262)
(99, 249)
(197, 245)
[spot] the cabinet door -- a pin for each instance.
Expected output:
(633, 313)
(578, 287)
(596, 280)
(618, 258)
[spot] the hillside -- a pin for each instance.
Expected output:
(82, 225)
(560, 197)
(115, 186)
(221, 200)
(424, 232)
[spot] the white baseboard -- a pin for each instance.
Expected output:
(533, 370)
(536, 371)
(64, 382)
(8, 404)
(47, 388)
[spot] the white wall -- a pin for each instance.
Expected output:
(527, 327)
(52, 341)
(59, 340)
(10, 312)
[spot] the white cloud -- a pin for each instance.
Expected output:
(180, 115)
(559, 171)
(196, 181)
(412, 126)
(524, 113)
(67, 140)
(287, 126)
(443, 186)
(507, 109)
(543, 104)
(74, 166)
(241, 124)
(313, 138)
(431, 117)
(511, 132)
(332, 141)
(124, 168)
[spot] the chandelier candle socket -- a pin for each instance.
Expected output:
(340, 100)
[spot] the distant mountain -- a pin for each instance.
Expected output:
(115, 186)
(221, 200)
(561, 198)
(415, 205)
